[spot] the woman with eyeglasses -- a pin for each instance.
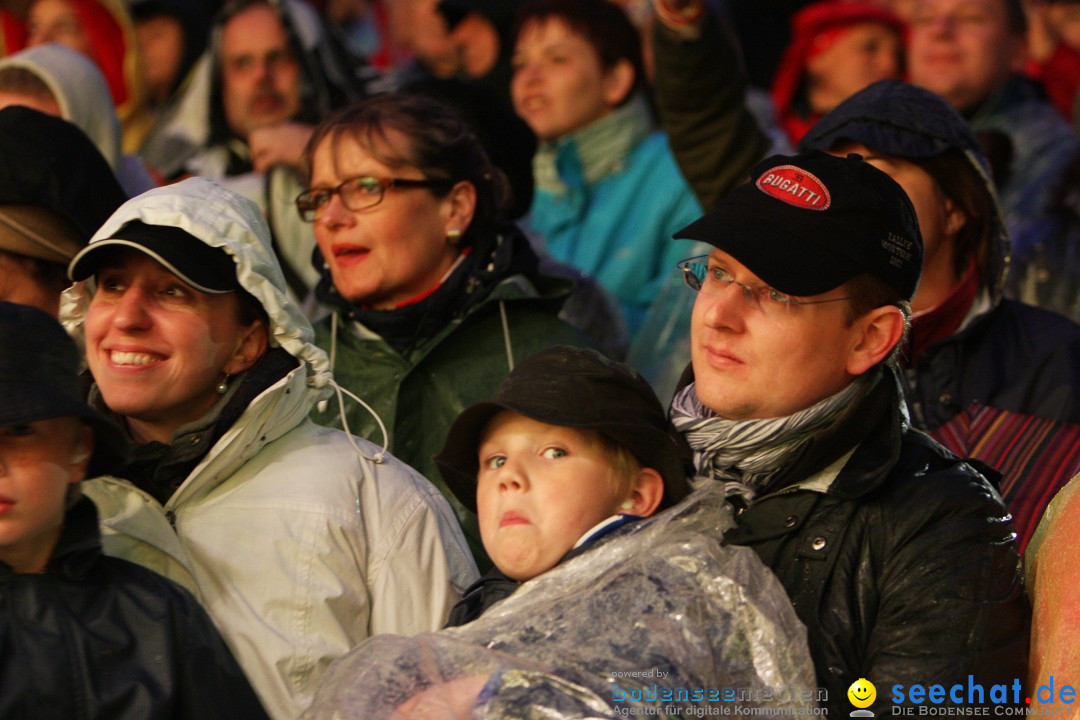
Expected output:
(433, 297)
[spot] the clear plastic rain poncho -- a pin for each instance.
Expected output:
(658, 619)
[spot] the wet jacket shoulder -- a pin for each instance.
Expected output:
(418, 393)
(700, 94)
(98, 637)
(904, 566)
(1004, 389)
(1016, 358)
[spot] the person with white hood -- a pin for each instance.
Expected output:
(61, 82)
(300, 540)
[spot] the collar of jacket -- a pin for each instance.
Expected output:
(871, 430)
(161, 469)
(79, 545)
(505, 268)
(588, 155)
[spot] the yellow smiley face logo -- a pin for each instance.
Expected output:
(862, 693)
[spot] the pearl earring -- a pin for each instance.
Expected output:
(223, 386)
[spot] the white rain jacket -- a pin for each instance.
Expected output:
(298, 546)
(79, 89)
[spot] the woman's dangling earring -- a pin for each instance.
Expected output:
(454, 236)
(223, 386)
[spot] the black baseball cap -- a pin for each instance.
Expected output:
(203, 267)
(807, 223)
(579, 388)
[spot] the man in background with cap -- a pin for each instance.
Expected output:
(985, 375)
(899, 557)
(55, 190)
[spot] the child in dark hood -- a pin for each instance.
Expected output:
(85, 635)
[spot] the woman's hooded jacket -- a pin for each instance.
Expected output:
(299, 540)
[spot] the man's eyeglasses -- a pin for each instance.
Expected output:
(713, 279)
(358, 193)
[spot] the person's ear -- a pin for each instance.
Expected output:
(82, 448)
(876, 334)
(618, 82)
(459, 205)
(251, 345)
(646, 492)
(955, 218)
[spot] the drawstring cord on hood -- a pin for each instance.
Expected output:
(333, 342)
(341, 392)
(506, 335)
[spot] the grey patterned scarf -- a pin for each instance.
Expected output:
(745, 454)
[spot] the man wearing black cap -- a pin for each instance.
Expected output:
(899, 557)
(85, 635)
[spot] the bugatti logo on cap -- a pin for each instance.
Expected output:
(794, 186)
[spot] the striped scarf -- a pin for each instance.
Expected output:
(746, 454)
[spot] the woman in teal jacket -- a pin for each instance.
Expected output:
(608, 194)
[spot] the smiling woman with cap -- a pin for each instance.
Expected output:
(300, 540)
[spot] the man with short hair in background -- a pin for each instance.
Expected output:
(972, 52)
(273, 71)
